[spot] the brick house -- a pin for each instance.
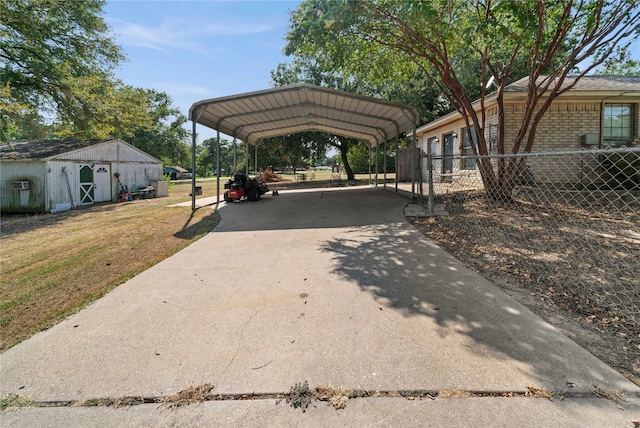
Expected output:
(599, 112)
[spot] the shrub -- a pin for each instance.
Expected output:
(623, 170)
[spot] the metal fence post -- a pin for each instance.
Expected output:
(431, 199)
(420, 177)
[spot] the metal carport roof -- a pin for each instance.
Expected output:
(254, 116)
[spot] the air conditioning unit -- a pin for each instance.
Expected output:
(21, 185)
(590, 140)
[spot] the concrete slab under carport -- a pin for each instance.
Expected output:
(328, 287)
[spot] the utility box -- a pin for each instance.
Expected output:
(162, 188)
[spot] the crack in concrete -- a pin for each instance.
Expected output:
(129, 401)
(239, 344)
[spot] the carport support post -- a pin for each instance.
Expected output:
(193, 167)
(384, 175)
(255, 161)
(377, 153)
(218, 166)
(370, 164)
(246, 157)
(414, 162)
(431, 201)
(397, 145)
(235, 162)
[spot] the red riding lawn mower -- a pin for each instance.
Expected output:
(241, 186)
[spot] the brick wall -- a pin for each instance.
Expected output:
(561, 127)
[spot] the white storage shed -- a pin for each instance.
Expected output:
(53, 175)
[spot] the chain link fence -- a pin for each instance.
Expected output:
(563, 225)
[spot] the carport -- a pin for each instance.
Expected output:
(254, 116)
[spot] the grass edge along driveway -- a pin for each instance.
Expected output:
(53, 265)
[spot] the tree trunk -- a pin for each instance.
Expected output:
(499, 180)
(344, 148)
(500, 186)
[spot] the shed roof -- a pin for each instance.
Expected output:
(303, 107)
(43, 149)
(64, 149)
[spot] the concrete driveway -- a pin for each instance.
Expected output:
(330, 287)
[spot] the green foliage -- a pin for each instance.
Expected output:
(162, 135)
(296, 150)
(206, 157)
(9, 109)
(167, 178)
(103, 109)
(313, 145)
(360, 159)
(460, 45)
(300, 396)
(56, 57)
(620, 64)
(14, 401)
(623, 170)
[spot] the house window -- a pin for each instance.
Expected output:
(491, 135)
(617, 128)
(468, 162)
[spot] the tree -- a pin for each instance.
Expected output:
(293, 150)
(203, 165)
(620, 64)
(207, 162)
(308, 70)
(9, 110)
(362, 161)
(162, 135)
(550, 38)
(102, 108)
(56, 57)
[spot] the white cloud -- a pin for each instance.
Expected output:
(180, 33)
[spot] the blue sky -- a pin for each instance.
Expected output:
(200, 49)
(195, 50)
